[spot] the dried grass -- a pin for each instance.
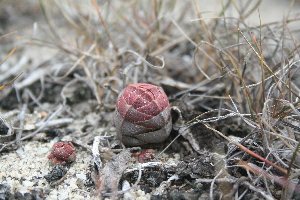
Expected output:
(231, 71)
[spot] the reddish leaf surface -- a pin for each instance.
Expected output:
(142, 111)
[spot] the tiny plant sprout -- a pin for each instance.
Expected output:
(145, 156)
(143, 115)
(62, 153)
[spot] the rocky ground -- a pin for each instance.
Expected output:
(231, 76)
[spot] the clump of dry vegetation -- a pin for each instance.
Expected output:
(234, 88)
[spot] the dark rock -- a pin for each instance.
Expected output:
(4, 191)
(56, 173)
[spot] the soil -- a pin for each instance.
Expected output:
(53, 101)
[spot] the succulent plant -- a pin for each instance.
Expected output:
(143, 115)
(63, 152)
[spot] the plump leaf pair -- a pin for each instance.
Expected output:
(142, 115)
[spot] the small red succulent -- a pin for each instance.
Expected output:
(143, 115)
(145, 155)
(62, 152)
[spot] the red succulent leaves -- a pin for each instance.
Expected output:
(145, 156)
(141, 101)
(62, 152)
(142, 114)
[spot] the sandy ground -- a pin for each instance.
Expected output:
(23, 170)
